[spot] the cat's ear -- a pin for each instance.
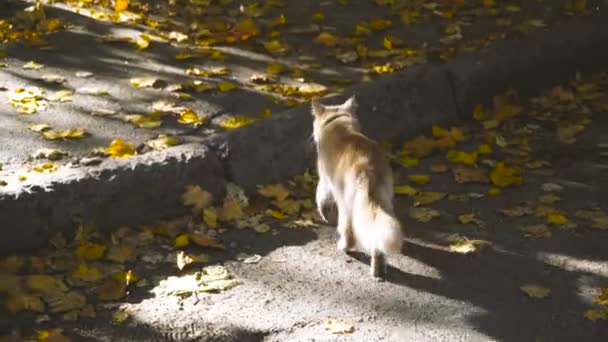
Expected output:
(317, 108)
(350, 105)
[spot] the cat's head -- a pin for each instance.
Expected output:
(324, 115)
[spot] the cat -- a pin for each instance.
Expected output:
(355, 174)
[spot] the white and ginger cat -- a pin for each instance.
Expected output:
(355, 174)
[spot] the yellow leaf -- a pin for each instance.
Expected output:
(467, 218)
(39, 127)
(596, 315)
(479, 112)
(262, 228)
(210, 217)
(535, 291)
(47, 167)
(380, 24)
(120, 149)
(225, 86)
(86, 273)
(419, 147)
(144, 121)
(277, 214)
(327, 39)
(274, 46)
(64, 134)
(265, 114)
(602, 298)
(20, 301)
(31, 65)
(461, 157)
(466, 246)
(203, 240)
(162, 142)
(121, 5)
(231, 210)
(120, 316)
(197, 198)
(277, 191)
(494, 191)
(484, 149)
(275, 68)
(142, 42)
(189, 117)
(182, 241)
(423, 214)
(338, 328)
(236, 122)
(409, 162)
(90, 251)
(438, 168)
(383, 68)
(318, 16)
(503, 175)
(557, 218)
(427, 197)
(46, 285)
(405, 190)
(420, 179)
(144, 82)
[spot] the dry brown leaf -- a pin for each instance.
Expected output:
(111, 289)
(277, 191)
(203, 240)
(197, 198)
(427, 197)
(423, 214)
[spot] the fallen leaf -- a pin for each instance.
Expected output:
(468, 218)
(338, 328)
(427, 197)
(462, 157)
(90, 251)
(181, 241)
(120, 253)
(197, 198)
(276, 191)
(535, 291)
(517, 211)
(536, 231)
(557, 218)
(503, 175)
(419, 179)
(405, 190)
(111, 290)
(46, 285)
(145, 82)
(438, 168)
(262, 228)
(463, 174)
(596, 315)
(144, 121)
(120, 316)
(236, 122)
(467, 246)
(73, 133)
(602, 297)
(327, 39)
(31, 65)
(225, 86)
(20, 301)
(162, 141)
(184, 259)
(423, 214)
(231, 210)
(189, 117)
(49, 153)
(203, 240)
(210, 217)
(87, 273)
(120, 149)
(121, 5)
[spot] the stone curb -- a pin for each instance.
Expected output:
(149, 187)
(409, 102)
